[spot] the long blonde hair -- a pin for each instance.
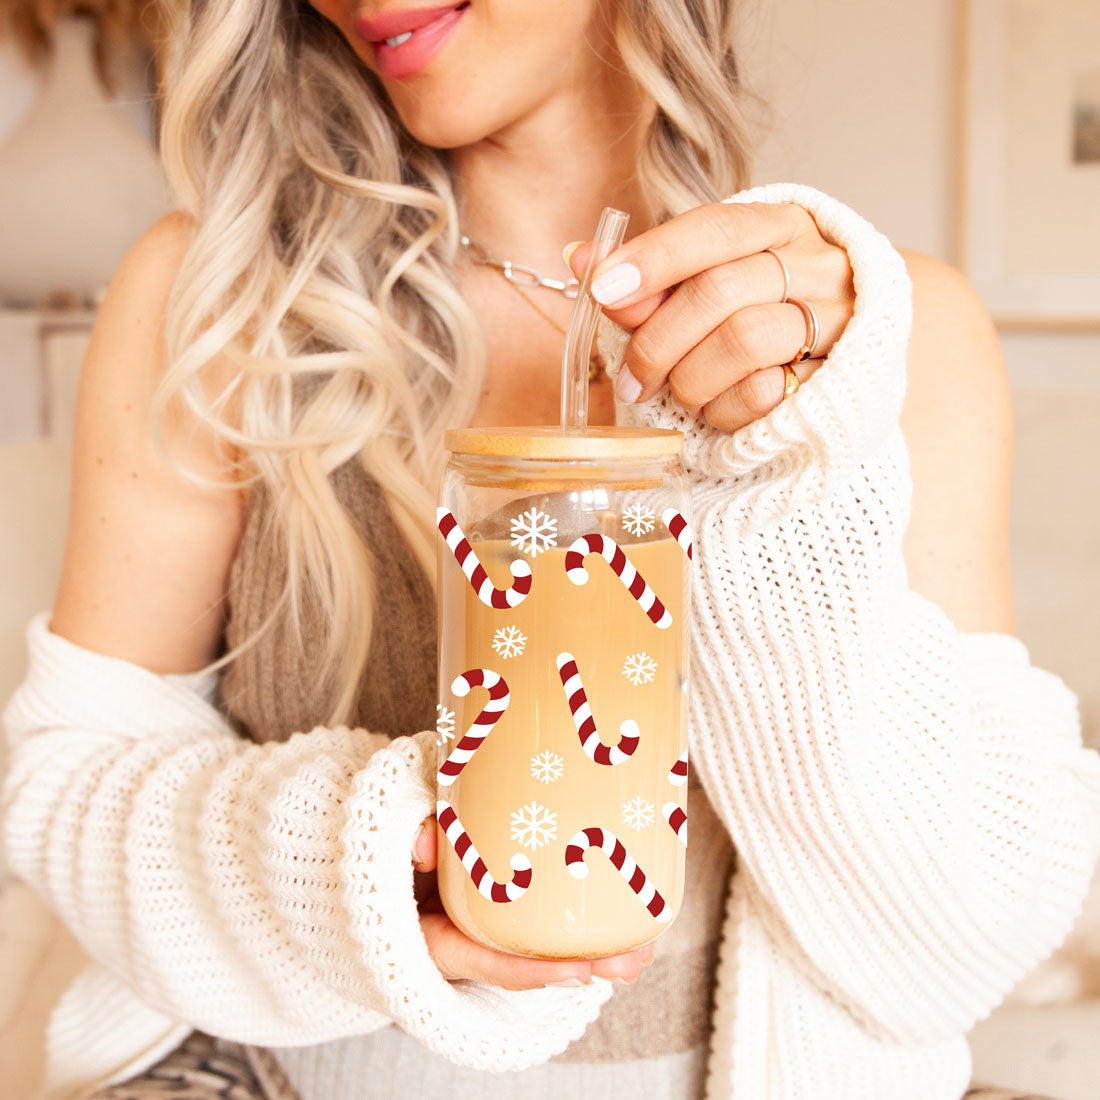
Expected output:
(322, 265)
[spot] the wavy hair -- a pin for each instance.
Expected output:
(321, 267)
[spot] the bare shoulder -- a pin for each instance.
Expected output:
(957, 421)
(147, 550)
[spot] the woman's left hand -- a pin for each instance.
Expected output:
(706, 305)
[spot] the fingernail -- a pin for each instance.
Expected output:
(569, 983)
(627, 387)
(615, 283)
(569, 249)
(647, 955)
(420, 848)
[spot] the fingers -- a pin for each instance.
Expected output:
(424, 847)
(635, 314)
(696, 308)
(754, 396)
(623, 968)
(703, 237)
(458, 957)
(754, 338)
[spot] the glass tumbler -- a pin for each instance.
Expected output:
(564, 603)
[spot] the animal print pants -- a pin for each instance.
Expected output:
(204, 1068)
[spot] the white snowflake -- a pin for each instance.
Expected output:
(534, 825)
(444, 724)
(534, 531)
(510, 641)
(546, 766)
(639, 668)
(638, 813)
(638, 519)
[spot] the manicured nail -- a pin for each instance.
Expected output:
(420, 849)
(616, 283)
(627, 387)
(569, 249)
(569, 983)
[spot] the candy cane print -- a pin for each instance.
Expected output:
(678, 773)
(479, 729)
(593, 747)
(678, 528)
(464, 848)
(635, 877)
(678, 820)
(620, 564)
(479, 580)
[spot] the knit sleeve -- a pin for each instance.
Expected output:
(915, 815)
(262, 893)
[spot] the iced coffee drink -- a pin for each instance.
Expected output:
(562, 732)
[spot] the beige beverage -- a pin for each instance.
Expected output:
(534, 782)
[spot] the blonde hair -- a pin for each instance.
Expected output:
(322, 266)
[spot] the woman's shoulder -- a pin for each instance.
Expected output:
(147, 549)
(957, 422)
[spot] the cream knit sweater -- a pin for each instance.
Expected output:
(915, 817)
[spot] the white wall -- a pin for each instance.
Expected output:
(861, 100)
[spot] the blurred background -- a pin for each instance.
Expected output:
(967, 129)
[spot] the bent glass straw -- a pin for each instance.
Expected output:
(582, 325)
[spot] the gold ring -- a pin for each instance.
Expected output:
(812, 330)
(791, 381)
(786, 274)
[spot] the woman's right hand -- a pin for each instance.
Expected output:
(458, 956)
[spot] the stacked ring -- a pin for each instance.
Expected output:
(791, 381)
(786, 275)
(812, 330)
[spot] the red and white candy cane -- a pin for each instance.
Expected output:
(464, 848)
(479, 729)
(678, 528)
(621, 566)
(635, 877)
(593, 747)
(678, 821)
(479, 580)
(678, 773)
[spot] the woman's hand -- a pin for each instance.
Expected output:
(706, 305)
(458, 956)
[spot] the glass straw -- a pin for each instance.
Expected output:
(582, 325)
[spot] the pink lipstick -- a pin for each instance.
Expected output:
(405, 42)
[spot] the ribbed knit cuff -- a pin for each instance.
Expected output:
(809, 445)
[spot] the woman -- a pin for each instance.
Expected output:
(911, 809)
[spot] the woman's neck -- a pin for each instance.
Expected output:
(527, 191)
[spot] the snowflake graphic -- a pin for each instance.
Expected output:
(546, 766)
(638, 813)
(639, 668)
(534, 531)
(444, 724)
(638, 519)
(509, 641)
(534, 825)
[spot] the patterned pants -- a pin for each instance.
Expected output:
(204, 1068)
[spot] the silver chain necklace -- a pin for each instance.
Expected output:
(517, 273)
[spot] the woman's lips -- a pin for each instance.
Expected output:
(420, 35)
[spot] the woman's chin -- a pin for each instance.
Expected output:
(443, 129)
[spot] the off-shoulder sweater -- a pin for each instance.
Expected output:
(915, 817)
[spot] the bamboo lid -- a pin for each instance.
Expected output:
(566, 443)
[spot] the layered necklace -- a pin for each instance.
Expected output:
(518, 276)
